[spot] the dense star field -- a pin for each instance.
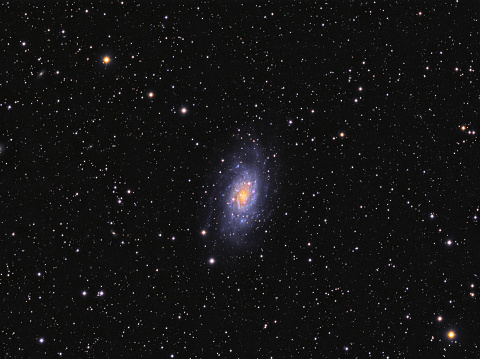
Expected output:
(239, 180)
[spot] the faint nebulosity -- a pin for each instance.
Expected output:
(200, 179)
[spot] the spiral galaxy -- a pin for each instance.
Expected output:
(239, 203)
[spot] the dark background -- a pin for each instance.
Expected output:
(362, 104)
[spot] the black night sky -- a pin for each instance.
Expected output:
(273, 179)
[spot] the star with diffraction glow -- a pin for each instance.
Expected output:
(106, 60)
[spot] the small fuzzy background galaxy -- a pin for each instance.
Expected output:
(224, 179)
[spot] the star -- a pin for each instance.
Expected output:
(183, 110)
(451, 334)
(151, 94)
(106, 60)
(211, 260)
